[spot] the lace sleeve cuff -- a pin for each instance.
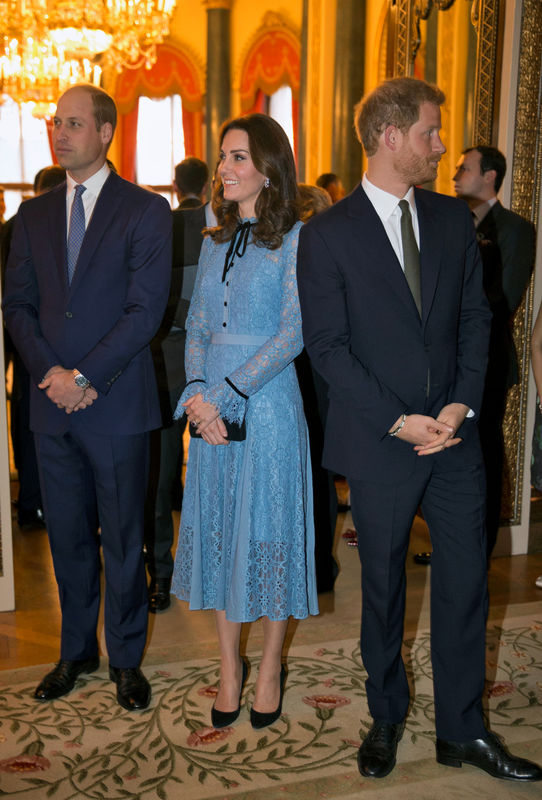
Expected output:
(231, 404)
(192, 387)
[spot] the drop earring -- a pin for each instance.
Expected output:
(266, 183)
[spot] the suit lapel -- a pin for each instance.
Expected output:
(104, 211)
(431, 227)
(376, 247)
(58, 232)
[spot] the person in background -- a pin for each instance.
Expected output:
(506, 241)
(313, 200)
(396, 320)
(86, 286)
(190, 184)
(165, 484)
(332, 184)
(246, 541)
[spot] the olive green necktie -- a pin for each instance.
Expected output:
(411, 254)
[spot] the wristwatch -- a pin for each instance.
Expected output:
(80, 380)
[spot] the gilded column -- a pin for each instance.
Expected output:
(349, 78)
(218, 72)
(303, 88)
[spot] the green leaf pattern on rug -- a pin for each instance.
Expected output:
(86, 746)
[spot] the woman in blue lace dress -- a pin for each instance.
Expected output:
(246, 541)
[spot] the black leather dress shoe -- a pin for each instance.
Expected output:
(133, 689)
(61, 679)
(159, 590)
(488, 754)
(422, 558)
(376, 756)
(30, 519)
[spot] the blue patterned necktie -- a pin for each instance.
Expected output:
(411, 254)
(77, 230)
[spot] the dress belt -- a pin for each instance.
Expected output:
(238, 338)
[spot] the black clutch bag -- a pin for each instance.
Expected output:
(236, 431)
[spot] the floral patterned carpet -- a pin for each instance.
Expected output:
(86, 746)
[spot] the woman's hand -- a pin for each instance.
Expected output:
(215, 432)
(204, 417)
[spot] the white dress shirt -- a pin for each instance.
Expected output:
(386, 206)
(93, 186)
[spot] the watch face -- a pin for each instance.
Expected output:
(81, 381)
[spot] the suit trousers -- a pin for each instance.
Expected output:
(86, 478)
(453, 505)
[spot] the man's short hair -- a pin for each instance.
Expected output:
(394, 102)
(491, 158)
(191, 176)
(326, 179)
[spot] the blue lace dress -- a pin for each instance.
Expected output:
(246, 541)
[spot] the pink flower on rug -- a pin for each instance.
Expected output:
(329, 682)
(72, 744)
(161, 673)
(321, 652)
(352, 742)
(326, 701)
(519, 654)
(24, 763)
(500, 688)
(208, 736)
(208, 691)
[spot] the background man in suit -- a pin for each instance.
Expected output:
(86, 286)
(165, 486)
(396, 321)
(507, 243)
(191, 178)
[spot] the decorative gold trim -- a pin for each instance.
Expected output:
(486, 13)
(525, 200)
(403, 63)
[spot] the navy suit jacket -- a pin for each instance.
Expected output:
(103, 322)
(364, 335)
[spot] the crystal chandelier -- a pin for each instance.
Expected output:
(47, 45)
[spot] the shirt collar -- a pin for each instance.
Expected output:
(385, 204)
(94, 183)
(483, 210)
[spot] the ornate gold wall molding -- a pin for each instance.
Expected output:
(525, 200)
(485, 17)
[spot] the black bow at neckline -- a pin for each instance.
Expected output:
(238, 246)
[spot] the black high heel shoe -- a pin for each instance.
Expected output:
(260, 719)
(221, 719)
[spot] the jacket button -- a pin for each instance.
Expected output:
(69, 314)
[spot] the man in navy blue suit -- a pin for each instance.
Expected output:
(87, 282)
(396, 321)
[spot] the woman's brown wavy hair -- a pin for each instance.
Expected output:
(276, 207)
